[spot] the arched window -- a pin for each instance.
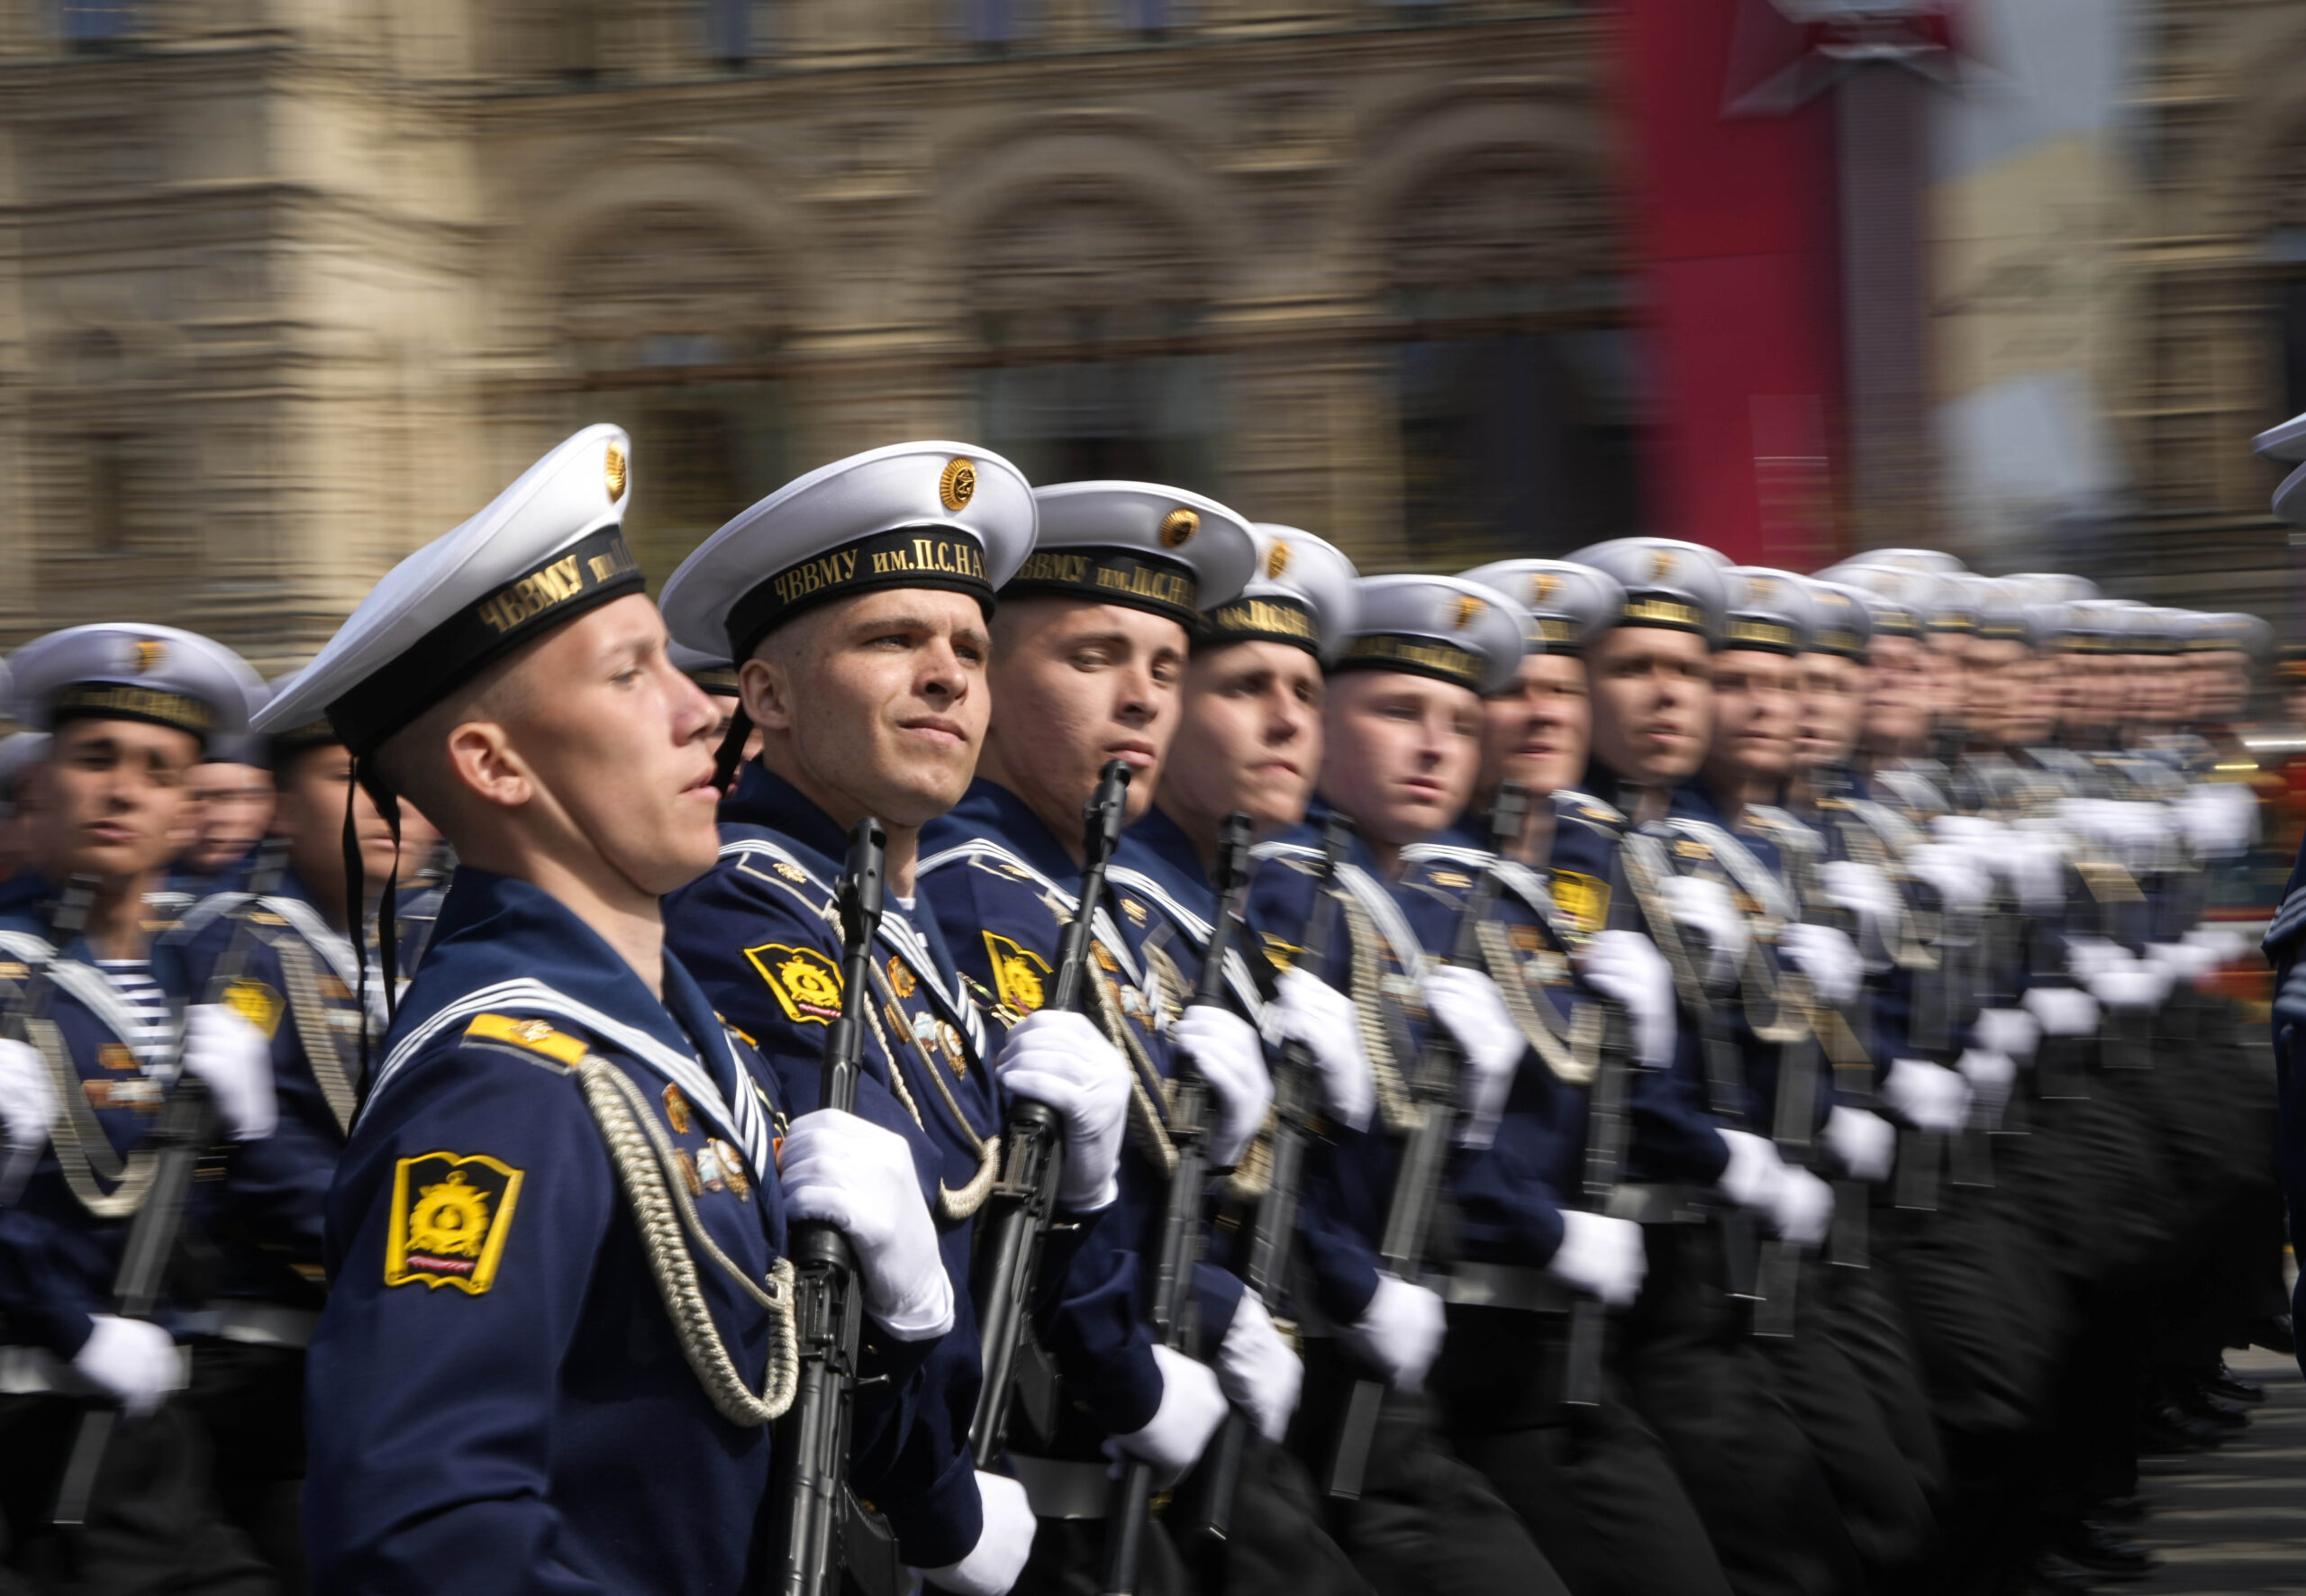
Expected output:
(1087, 303)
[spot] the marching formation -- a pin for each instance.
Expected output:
(1054, 1038)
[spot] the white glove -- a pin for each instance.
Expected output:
(2220, 820)
(132, 1360)
(2088, 958)
(1803, 1212)
(2011, 1032)
(1191, 1407)
(1706, 908)
(1602, 1256)
(1626, 967)
(1930, 1096)
(1312, 1012)
(1225, 1048)
(2220, 946)
(1259, 1371)
(1754, 1173)
(1962, 886)
(1865, 892)
(860, 1178)
(1973, 834)
(2133, 989)
(235, 1060)
(1002, 1545)
(1866, 1143)
(1828, 957)
(1400, 1333)
(1991, 1075)
(2180, 961)
(28, 1105)
(1059, 1058)
(2037, 861)
(1467, 1005)
(2063, 1011)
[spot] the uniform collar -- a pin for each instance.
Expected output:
(1158, 846)
(991, 810)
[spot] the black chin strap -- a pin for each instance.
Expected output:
(356, 899)
(732, 751)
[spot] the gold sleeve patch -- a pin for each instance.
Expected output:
(1583, 899)
(1280, 954)
(450, 1218)
(255, 1002)
(1019, 974)
(538, 1035)
(806, 983)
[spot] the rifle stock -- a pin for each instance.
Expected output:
(1606, 1132)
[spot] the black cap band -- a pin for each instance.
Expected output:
(936, 557)
(1760, 634)
(1838, 641)
(1668, 611)
(1272, 618)
(718, 680)
(1112, 577)
(1554, 634)
(1413, 655)
(582, 577)
(120, 701)
(285, 745)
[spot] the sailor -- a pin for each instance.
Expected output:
(98, 1034)
(718, 677)
(1694, 1371)
(857, 598)
(517, 1383)
(283, 954)
(1401, 744)
(230, 805)
(1248, 742)
(1591, 1480)
(1088, 647)
(20, 751)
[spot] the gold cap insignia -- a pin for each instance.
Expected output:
(1466, 610)
(1543, 586)
(806, 983)
(1661, 564)
(149, 652)
(957, 487)
(1277, 558)
(1178, 526)
(615, 473)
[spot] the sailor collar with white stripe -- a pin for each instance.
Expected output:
(1369, 893)
(1757, 880)
(85, 985)
(528, 930)
(982, 852)
(332, 945)
(1196, 931)
(897, 929)
(1513, 875)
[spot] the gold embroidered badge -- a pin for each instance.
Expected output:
(257, 1003)
(449, 1217)
(791, 872)
(806, 983)
(1019, 973)
(538, 1035)
(1280, 953)
(677, 1109)
(1583, 899)
(1134, 910)
(901, 980)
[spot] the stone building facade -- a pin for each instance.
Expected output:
(289, 287)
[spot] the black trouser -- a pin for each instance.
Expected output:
(251, 1400)
(1427, 1523)
(1276, 1537)
(1693, 1372)
(1882, 1503)
(1594, 1484)
(1068, 1559)
(152, 1526)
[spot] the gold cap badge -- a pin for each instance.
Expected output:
(614, 471)
(1661, 564)
(1178, 526)
(1276, 559)
(149, 652)
(1467, 610)
(1543, 586)
(957, 487)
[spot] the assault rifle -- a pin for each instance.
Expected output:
(1021, 1207)
(821, 1526)
(1425, 1151)
(1607, 1128)
(1179, 1247)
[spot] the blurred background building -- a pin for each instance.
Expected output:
(289, 287)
